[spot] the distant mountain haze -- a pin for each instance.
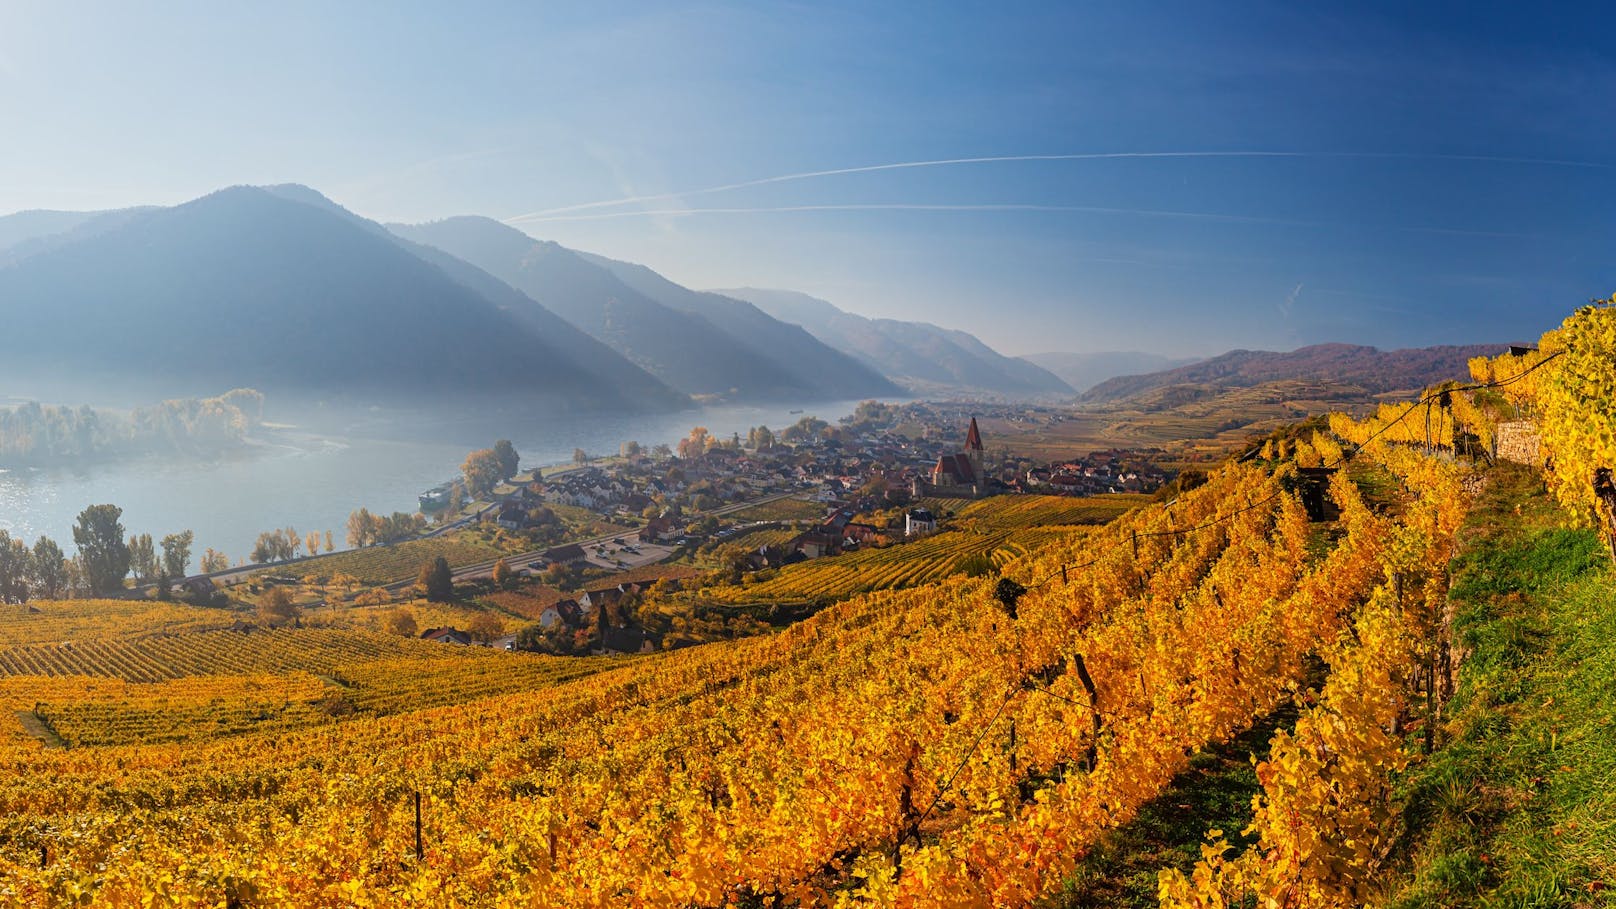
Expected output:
(1373, 370)
(281, 289)
(32, 225)
(699, 343)
(809, 359)
(593, 359)
(32, 232)
(923, 358)
(1083, 371)
(247, 286)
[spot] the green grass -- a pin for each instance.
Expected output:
(1215, 793)
(1518, 808)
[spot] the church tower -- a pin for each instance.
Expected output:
(973, 451)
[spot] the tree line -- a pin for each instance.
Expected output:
(34, 433)
(104, 560)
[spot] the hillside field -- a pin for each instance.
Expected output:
(1368, 665)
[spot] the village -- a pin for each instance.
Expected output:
(883, 476)
(679, 497)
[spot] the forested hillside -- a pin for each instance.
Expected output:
(249, 287)
(699, 343)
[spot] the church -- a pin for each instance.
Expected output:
(961, 475)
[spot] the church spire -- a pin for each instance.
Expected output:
(973, 437)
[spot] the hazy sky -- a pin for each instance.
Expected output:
(1445, 176)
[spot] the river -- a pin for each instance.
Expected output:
(312, 480)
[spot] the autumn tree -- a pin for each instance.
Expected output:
(343, 583)
(482, 470)
(177, 553)
(505, 452)
(142, 557)
(375, 596)
(214, 561)
(311, 543)
(502, 573)
(402, 622)
(803, 430)
(696, 444)
(49, 578)
(16, 566)
(293, 541)
(272, 546)
(486, 626)
(361, 529)
(733, 560)
(330, 545)
(437, 581)
(397, 526)
(103, 554)
(579, 456)
(276, 606)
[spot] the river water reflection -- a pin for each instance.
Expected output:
(312, 480)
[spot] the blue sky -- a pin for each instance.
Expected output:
(1447, 175)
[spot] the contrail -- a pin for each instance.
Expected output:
(1000, 159)
(911, 206)
(985, 207)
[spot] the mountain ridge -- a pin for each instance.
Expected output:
(1375, 370)
(922, 357)
(169, 295)
(1083, 371)
(712, 349)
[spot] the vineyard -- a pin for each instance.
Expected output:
(54, 622)
(893, 748)
(1000, 528)
(790, 509)
(384, 564)
(950, 741)
(222, 684)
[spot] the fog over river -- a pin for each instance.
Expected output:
(311, 475)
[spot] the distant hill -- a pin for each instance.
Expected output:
(1083, 371)
(31, 225)
(1374, 371)
(282, 290)
(699, 343)
(921, 357)
(29, 233)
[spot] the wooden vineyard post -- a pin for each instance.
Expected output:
(1605, 493)
(1397, 594)
(1430, 685)
(1092, 753)
(419, 852)
(1430, 702)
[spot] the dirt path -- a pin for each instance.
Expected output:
(36, 727)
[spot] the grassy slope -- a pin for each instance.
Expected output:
(1519, 806)
(1214, 794)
